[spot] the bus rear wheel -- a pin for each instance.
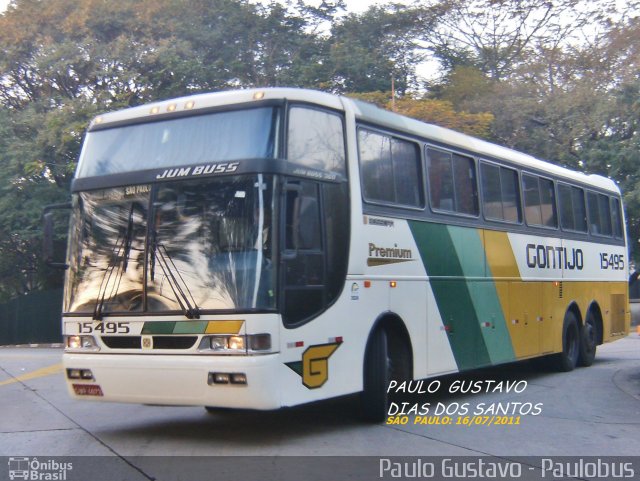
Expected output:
(588, 341)
(376, 377)
(568, 359)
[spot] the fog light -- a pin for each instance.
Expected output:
(219, 378)
(238, 378)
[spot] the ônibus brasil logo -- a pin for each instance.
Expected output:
(35, 470)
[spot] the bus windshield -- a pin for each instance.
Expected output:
(187, 246)
(230, 135)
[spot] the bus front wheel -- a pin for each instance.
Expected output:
(568, 358)
(376, 377)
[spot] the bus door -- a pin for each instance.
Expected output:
(303, 251)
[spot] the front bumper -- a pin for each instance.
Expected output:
(177, 380)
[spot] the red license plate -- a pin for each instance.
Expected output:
(87, 390)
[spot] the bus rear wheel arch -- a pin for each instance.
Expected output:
(388, 356)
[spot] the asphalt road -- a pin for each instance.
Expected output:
(591, 411)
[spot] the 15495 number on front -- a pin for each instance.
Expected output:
(104, 327)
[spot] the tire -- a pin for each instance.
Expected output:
(376, 377)
(588, 341)
(568, 359)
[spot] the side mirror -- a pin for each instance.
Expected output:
(48, 233)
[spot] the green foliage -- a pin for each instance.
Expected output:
(513, 72)
(438, 112)
(62, 62)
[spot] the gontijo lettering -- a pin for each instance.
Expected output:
(554, 257)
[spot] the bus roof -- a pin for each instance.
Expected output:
(363, 111)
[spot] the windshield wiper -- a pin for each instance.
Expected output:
(121, 247)
(176, 282)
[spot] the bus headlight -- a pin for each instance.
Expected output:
(244, 344)
(236, 343)
(81, 343)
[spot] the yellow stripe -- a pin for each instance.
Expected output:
(500, 255)
(45, 371)
(224, 327)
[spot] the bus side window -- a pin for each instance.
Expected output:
(316, 139)
(452, 182)
(391, 169)
(539, 201)
(573, 215)
(501, 195)
(599, 214)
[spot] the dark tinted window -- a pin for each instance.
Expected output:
(599, 214)
(539, 201)
(500, 193)
(222, 136)
(316, 139)
(390, 169)
(452, 182)
(572, 209)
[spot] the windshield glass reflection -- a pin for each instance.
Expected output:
(204, 245)
(215, 236)
(107, 251)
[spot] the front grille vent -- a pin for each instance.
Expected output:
(122, 342)
(159, 342)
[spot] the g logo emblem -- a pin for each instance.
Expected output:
(314, 367)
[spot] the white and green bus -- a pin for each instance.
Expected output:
(268, 248)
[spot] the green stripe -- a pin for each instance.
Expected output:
(190, 327)
(158, 327)
(484, 296)
(451, 290)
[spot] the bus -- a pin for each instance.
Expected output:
(267, 248)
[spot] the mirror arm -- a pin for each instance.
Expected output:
(47, 238)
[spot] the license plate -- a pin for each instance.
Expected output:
(87, 390)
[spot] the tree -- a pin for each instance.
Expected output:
(438, 112)
(496, 36)
(370, 49)
(63, 62)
